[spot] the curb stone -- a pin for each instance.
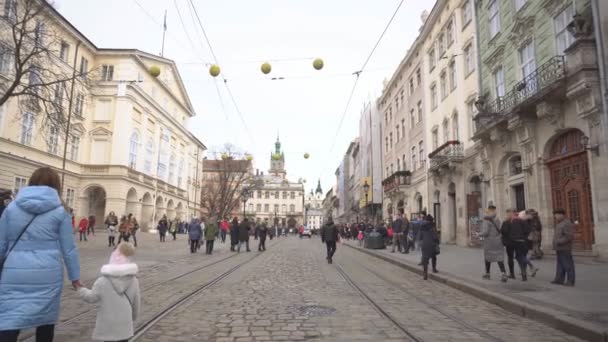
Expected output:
(553, 318)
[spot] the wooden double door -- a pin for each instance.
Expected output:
(571, 186)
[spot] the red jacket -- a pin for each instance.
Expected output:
(224, 226)
(84, 223)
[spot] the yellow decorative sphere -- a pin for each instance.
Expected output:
(266, 68)
(214, 70)
(276, 156)
(306, 155)
(249, 157)
(154, 71)
(224, 156)
(317, 64)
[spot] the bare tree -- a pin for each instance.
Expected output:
(33, 61)
(225, 178)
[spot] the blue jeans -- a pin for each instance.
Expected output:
(565, 267)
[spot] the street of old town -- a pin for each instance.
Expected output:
(289, 293)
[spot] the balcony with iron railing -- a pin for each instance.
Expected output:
(542, 81)
(446, 154)
(397, 179)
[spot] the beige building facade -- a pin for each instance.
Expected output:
(128, 147)
(402, 109)
(450, 64)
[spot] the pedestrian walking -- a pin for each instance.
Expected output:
(91, 227)
(330, 237)
(397, 226)
(493, 249)
(5, 199)
(516, 233)
(116, 293)
(162, 227)
(429, 241)
(82, 228)
(224, 227)
(31, 276)
(244, 235)
(111, 223)
(562, 244)
(234, 234)
(210, 234)
(535, 234)
(134, 226)
(124, 230)
(195, 233)
(262, 232)
(173, 228)
(529, 243)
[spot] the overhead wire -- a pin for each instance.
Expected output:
(210, 46)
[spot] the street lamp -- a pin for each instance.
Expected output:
(245, 196)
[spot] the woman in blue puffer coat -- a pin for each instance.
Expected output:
(32, 277)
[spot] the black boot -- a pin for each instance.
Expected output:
(425, 272)
(524, 276)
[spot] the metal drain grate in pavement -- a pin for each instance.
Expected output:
(312, 310)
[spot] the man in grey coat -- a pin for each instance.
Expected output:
(562, 244)
(493, 249)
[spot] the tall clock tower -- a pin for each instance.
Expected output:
(277, 161)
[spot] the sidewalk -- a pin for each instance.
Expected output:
(584, 306)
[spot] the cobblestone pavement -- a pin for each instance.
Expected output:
(290, 293)
(158, 263)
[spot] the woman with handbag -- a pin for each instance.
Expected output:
(35, 241)
(430, 244)
(493, 248)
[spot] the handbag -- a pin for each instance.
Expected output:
(437, 250)
(5, 256)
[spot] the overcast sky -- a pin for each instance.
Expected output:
(306, 107)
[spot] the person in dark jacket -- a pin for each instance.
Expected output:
(234, 234)
(195, 232)
(516, 233)
(397, 234)
(210, 233)
(329, 236)
(430, 242)
(562, 244)
(5, 197)
(163, 226)
(262, 231)
(91, 227)
(244, 235)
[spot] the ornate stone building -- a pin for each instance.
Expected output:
(128, 146)
(402, 109)
(314, 208)
(274, 197)
(540, 140)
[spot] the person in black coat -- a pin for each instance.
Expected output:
(430, 244)
(330, 236)
(244, 235)
(261, 232)
(234, 234)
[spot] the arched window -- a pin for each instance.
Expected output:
(133, 147)
(161, 171)
(515, 166)
(149, 156)
(455, 128)
(180, 171)
(292, 208)
(172, 165)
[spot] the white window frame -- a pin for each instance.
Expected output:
(422, 159)
(527, 59)
(435, 138)
(443, 84)
(10, 10)
(494, 18)
(560, 24)
(467, 13)
(432, 59)
(446, 131)
(107, 72)
(79, 106)
(53, 139)
(149, 159)
(434, 100)
(18, 183)
(74, 147)
(27, 127)
(414, 157)
(450, 32)
(452, 76)
(499, 81)
(455, 127)
(64, 51)
(441, 44)
(419, 107)
(519, 4)
(133, 150)
(70, 195)
(469, 59)
(6, 60)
